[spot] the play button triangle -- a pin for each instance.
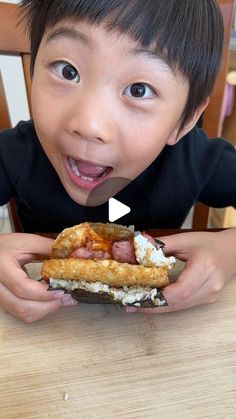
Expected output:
(117, 209)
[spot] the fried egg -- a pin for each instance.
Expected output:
(148, 255)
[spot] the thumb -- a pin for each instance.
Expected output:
(177, 245)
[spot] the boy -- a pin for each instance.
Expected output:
(118, 87)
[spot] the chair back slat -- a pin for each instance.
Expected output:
(13, 38)
(27, 75)
(4, 113)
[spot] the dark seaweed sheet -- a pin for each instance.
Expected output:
(83, 296)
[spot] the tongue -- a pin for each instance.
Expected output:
(89, 169)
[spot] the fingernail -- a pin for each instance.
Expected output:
(131, 309)
(67, 297)
(69, 301)
(57, 294)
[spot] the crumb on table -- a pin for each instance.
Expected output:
(66, 396)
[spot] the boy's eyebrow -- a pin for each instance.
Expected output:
(65, 32)
(71, 33)
(155, 57)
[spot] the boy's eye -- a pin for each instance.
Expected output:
(140, 90)
(66, 71)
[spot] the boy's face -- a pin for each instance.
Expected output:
(102, 106)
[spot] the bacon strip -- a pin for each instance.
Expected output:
(122, 251)
(84, 253)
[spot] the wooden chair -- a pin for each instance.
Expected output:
(213, 115)
(14, 41)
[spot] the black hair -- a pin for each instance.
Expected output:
(188, 34)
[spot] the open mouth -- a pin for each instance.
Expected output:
(87, 175)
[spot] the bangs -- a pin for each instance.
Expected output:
(187, 34)
(170, 28)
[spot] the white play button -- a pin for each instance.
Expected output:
(117, 209)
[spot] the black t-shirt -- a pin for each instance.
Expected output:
(195, 169)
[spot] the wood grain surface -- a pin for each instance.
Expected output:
(118, 365)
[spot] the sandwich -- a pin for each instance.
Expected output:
(108, 264)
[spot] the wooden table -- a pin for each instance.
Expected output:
(118, 365)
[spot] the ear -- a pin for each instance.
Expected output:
(177, 135)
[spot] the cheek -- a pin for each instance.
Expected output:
(45, 118)
(138, 156)
(144, 141)
(145, 137)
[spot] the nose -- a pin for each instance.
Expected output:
(90, 117)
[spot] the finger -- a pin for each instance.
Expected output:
(17, 281)
(174, 243)
(30, 246)
(26, 310)
(188, 282)
(208, 293)
(180, 244)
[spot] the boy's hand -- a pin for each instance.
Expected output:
(210, 262)
(25, 298)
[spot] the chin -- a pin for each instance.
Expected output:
(81, 200)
